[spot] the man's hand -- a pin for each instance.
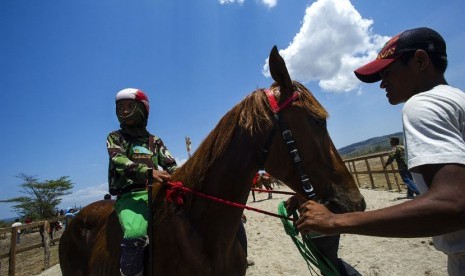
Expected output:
(315, 217)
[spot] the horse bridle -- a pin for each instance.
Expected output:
(288, 139)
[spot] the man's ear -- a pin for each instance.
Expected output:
(423, 59)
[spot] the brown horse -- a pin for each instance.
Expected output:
(263, 180)
(199, 237)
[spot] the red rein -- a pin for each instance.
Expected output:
(176, 191)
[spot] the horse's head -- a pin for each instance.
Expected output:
(300, 150)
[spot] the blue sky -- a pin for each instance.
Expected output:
(62, 62)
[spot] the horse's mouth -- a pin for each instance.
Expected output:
(334, 207)
(339, 207)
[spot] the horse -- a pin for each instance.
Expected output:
(263, 180)
(199, 237)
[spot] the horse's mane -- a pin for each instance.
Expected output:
(251, 115)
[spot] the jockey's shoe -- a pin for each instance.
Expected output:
(132, 256)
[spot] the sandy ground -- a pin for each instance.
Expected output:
(275, 254)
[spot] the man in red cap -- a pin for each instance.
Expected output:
(411, 69)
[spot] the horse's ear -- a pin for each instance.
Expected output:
(279, 73)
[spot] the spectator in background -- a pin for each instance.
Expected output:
(27, 221)
(107, 197)
(18, 235)
(70, 214)
(54, 226)
(398, 153)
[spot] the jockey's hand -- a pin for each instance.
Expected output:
(160, 176)
(315, 217)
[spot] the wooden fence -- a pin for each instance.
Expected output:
(44, 226)
(368, 172)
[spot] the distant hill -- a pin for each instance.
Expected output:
(372, 145)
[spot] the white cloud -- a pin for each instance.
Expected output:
(180, 161)
(268, 3)
(85, 196)
(225, 2)
(333, 40)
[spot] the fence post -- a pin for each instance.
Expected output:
(12, 257)
(46, 245)
(370, 173)
(356, 173)
(388, 181)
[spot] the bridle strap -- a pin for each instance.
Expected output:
(266, 147)
(288, 139)
(290, 143)
(275, 107)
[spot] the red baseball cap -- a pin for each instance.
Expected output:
(407, 41)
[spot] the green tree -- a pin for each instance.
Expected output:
(40, 199)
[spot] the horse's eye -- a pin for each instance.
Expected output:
(320, 122)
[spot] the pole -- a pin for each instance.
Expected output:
(188, 146)
(150, 220)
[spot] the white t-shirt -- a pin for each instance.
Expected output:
(434, 129)
(17, 224)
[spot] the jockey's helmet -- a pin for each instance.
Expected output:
(134, 94)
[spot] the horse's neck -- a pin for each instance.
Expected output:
(229, 178)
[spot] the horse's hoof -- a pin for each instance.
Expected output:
(250, 262)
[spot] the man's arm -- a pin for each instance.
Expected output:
(438, 211)
(166, 160)
(392, 155)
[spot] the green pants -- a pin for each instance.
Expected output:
(132, 213)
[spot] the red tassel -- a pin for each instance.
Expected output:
(175, 193)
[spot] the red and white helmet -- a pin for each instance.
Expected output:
(134, 94)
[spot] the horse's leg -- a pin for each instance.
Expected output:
(253, 195)
(328, 247)
(269, 188)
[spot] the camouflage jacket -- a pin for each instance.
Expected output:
(397, 153)
(131, 157)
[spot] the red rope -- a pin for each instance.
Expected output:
(273, 191)
(176, 189)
